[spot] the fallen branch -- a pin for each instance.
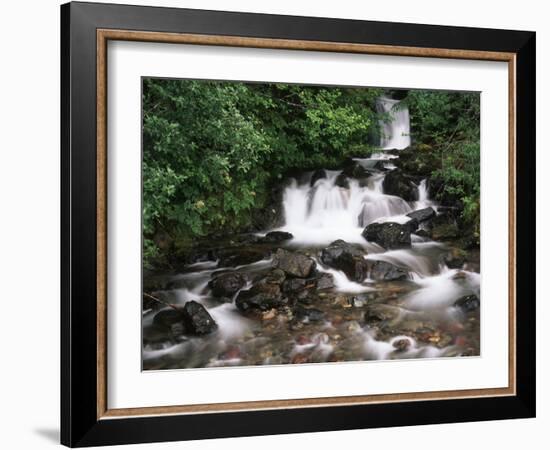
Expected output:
(161, 301)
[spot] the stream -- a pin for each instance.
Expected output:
(320, 288)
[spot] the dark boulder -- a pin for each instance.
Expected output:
(355, 170)
(468, 303)
(197, 319)
(294, 264)
(422, 215)
(233, 257)
(389, 235)
(385, 271)
(294, 285)
(262, 296)
(227, 284)
(398, 184)
(455, 258)
(167, 318)
(342, 181)
(275, 276)
(346, 257)
(319, 174)
(276, 236)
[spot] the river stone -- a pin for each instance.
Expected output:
(227, 284)
(277, 236)
(168, 317)
(294, 264)
(455, 258)
(421, 215)
(346, 257)
(398, 184)
(319, 174)
(293, 285)
(390, 235)
(262, 296)
(275, 276)
(342, 181)
(239, 257)
(325, 281)
(385, 271)
(197, 319)
(468, 303)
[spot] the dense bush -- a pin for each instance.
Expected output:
(212, 151)
(448, 124)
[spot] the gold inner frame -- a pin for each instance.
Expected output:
(103, 36)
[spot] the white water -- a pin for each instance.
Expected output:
(325, 212)
(396, 133)
(318, 215)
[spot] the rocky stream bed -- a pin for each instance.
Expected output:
(361, 266)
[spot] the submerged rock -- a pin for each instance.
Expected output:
(399, 184)
(197, 319)
(294, 264)
(390, 235)
(385, 271)
(346, 257)
(468, 303)
(227, 284)
(422, 215)
(276, 236)
(381, 313)
(306, 315)
(168, 317)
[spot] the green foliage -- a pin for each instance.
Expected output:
(213, 150)
(449, 122)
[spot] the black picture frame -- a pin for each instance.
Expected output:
(80, 425)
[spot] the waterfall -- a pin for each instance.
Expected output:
(324, 212)
(395, 133)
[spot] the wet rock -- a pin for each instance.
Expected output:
(399, 184)
(294, 285)
(234, 257)
(319, 174)
(468, 303)
(276, 237)
(355, 170)
(227, 284)
(389, 235)
(167, 318)
(402, 345)
(346, 257)
(342, 181)
(381, 313)
(422, 215)
(275, 276)
(455, 258)
(325, 281)
(385, 271)
(445, 232)
(294, 264)
(197, 319)
(262, 296)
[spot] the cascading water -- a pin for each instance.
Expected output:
(325, 212)
(419, 311)
(396, 132)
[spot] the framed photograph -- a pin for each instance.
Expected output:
(277, 224)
